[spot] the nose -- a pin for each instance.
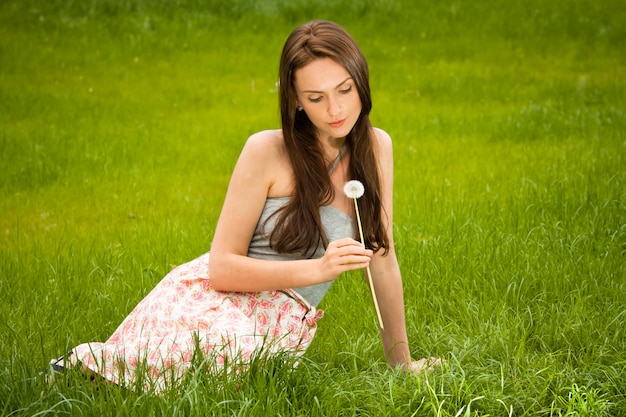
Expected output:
(333, 106)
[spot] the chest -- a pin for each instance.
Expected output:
(283, 184)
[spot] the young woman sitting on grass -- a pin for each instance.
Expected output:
(286, 231)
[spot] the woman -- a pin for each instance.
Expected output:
(286, 231)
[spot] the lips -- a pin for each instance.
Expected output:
(337, 124)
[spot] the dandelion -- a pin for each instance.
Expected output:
(354, 189)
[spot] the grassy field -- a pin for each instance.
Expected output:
(122, 120)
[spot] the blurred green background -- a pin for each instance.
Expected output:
(122, 120)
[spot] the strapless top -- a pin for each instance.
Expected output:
(336, 223)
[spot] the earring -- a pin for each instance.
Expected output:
(299, 108)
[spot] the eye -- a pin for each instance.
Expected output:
(346, 90)
(315, 99)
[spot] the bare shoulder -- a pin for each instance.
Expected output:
(383, 143)
(382, 136)
(266, 157)
(265, 143)
(259, 154)
(263, 150)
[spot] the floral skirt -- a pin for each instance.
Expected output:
(183, 316)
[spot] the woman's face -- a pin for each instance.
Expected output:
(328, 95)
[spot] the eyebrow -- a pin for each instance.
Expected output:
(337, 86)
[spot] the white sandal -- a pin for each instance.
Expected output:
(58, 365)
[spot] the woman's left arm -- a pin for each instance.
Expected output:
(386, 271)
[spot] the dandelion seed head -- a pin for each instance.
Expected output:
(354, 189)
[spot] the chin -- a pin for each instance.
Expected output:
(346, 131)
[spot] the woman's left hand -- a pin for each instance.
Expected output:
(423, 365)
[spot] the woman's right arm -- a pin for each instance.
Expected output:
(260, 164)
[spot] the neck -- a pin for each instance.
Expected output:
(331, 147)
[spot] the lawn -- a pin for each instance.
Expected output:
(121, 122)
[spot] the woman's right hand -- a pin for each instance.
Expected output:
(343, 255)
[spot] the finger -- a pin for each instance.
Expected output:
(356, 262)
(426, 364)
(355, 247)
(355, 259)
(347, 241)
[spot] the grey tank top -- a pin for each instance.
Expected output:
(336, 223)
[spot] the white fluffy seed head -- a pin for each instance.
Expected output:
(354, 189)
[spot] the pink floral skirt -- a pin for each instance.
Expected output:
(184, 314)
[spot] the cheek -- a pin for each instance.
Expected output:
(355, 103)
(314, 114)
(357, 107)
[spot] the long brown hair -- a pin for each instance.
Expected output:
(299, 226)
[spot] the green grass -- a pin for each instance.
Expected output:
(121, 122)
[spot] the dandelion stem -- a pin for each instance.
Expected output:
(367, 269)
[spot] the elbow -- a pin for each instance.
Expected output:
(218, 275)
